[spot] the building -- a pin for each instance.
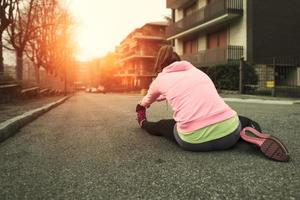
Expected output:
(137, 54)
(87, 73)
(219, 32)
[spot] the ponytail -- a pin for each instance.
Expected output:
(165, 57)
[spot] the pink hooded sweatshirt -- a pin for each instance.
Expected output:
(192, 96)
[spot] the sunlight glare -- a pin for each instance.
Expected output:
(102, 25)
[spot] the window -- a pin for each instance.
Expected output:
(217, 39)
(189, 10)
(190, 46)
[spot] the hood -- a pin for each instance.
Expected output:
(178, 66)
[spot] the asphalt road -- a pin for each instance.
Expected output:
(90, 147)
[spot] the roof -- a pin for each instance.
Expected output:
(161, 23)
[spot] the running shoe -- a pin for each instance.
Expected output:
(269, 145)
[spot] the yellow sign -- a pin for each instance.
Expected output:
(270, 84)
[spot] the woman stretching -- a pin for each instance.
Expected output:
(202, 120)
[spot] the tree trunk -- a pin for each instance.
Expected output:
(1, 55)
(65, 84)
(19, 67)
(37, 75)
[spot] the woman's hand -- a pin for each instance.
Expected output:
(139, 107)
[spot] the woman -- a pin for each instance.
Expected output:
(202, 120)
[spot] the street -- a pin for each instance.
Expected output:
(91, 147)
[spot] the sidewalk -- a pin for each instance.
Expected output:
(244, 98)
(18, 107)
(16, 115)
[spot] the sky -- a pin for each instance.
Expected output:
(102, 24)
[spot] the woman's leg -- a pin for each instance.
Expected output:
(269, 145)
(163, 127)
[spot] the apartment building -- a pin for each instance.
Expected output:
(218, 32)
(138, 53)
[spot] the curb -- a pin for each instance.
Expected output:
(261, 101)
(9, 127)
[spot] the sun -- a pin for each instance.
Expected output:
(101, 25)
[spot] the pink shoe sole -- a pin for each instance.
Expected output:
(270, 146)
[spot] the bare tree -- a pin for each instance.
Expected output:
(38, 48)
(6, 14)
(51, 46)
(168, 18)
(64, 47)
(20, 31)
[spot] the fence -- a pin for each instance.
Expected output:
(277, 76)
(229, 54)
(46, 79)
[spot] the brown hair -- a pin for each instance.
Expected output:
(165, 57)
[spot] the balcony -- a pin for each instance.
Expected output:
(149, 34)
(175, 4)
(217, 56)
(145, 73)
(227, 9)
(150, 54)
(149, 37)
(135, 73)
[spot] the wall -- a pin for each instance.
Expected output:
(51, 81)
(298, 76)
(10, 70)
(238, 31)
(178, 14)
(29, 73)
(179, 46)
(202, 42)
(273, 28)
(201, 3)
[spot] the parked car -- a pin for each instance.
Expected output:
(88, 89)
(101, 89)
(94, 90)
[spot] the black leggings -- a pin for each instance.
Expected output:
(166, 129)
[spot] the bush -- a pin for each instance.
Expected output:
(227, 76)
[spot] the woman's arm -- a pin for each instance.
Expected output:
(161, 98)
(152, 95)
